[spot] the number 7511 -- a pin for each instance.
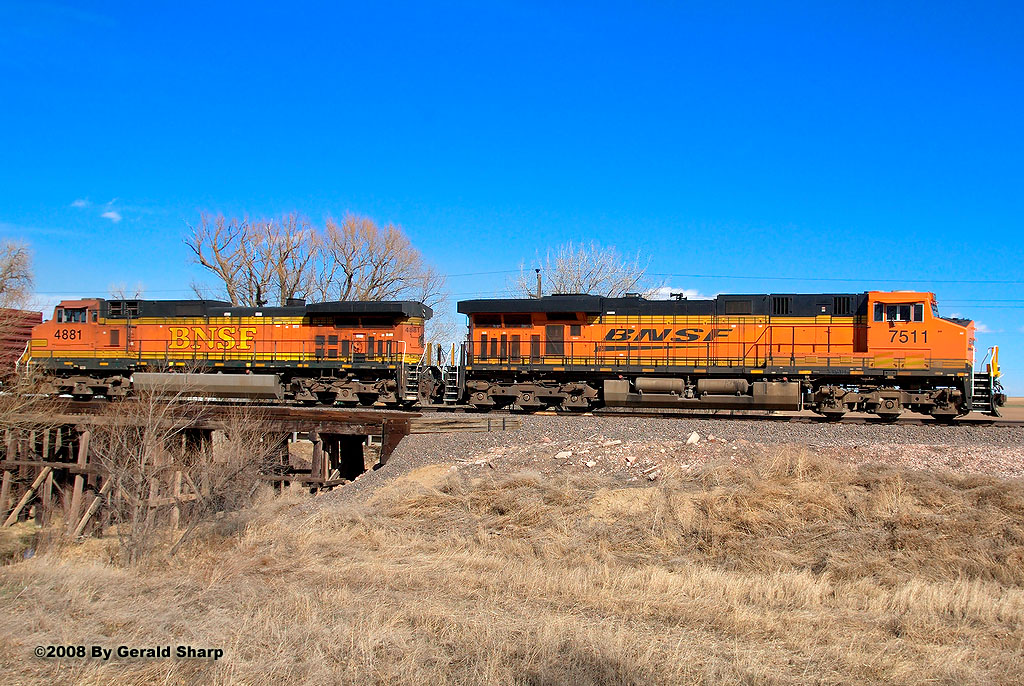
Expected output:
(908, 336)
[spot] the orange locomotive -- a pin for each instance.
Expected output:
(348, 352)
(879, 352)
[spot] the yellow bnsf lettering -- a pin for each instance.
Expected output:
(179, 338)
(211, 338)
(247, 334)
(227, 337)
(204, 336)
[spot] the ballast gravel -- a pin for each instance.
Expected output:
(641, 449)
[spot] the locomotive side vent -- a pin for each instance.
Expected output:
(780, 305)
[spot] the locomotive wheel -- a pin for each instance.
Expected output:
(481, 401)
(833, 416)
(575, 403)
(326, 398)
(527, 402)
(888, 417)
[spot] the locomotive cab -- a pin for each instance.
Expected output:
(69, 328)
(905, 331)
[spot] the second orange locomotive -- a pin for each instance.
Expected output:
(879, 352)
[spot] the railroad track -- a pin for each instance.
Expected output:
(328, 413)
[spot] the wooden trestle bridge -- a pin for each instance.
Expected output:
(48, 467)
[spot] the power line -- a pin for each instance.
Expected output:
(836, 278)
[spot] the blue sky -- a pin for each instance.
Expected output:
(784, 143)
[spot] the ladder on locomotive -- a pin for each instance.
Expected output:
(450, 376)
(984, 387)
(411, 391)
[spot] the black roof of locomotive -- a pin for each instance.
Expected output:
(800, 304)
(406, 308)
(220, 308)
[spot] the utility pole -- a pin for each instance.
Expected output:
(539, 291)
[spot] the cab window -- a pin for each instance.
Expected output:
(488, 321)
(518, 320)
(65, 316)
(903, 312)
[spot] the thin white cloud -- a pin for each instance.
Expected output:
(665, 292)
(112, 215)
(984, 328)
(81, 202)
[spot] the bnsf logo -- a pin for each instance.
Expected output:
(212, 338)
(678, 336)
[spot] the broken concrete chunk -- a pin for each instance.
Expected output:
(564, 455)
(694, 438)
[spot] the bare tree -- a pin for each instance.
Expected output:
(354, 259)
(15, 274)
(256, 262)
(122, 291)
(581, 268)
(360, 260)
(288, 248)
(15, 292)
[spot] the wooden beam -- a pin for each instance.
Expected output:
(76, 494)
(93, 506)
(5, 492)
(440, 423)
(393, 431)
(45, 509)
(176, 497)
(13, 517)
(317, 467)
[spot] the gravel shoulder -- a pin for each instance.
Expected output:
(636, 450)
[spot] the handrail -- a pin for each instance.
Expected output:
(630, 353)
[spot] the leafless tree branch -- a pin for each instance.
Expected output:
(581, 268)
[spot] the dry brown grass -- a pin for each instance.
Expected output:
(791, 570)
